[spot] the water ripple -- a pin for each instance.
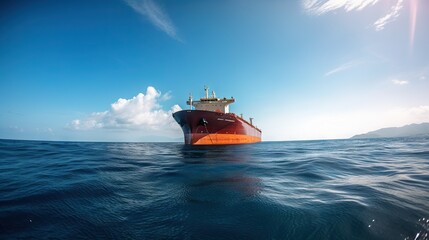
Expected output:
(339, 189)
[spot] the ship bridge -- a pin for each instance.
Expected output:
(211, 103)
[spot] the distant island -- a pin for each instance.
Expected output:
(421, 129)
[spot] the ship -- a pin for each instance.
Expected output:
(209, 122)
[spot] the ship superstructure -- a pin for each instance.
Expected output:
(212, 103)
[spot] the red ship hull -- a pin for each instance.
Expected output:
(214, 128)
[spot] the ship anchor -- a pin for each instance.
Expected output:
(203, 122)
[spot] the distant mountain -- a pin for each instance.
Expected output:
(421, 129)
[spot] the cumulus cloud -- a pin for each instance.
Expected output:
(155, 14)
(399, 82)
(142, 112)
(389, 17)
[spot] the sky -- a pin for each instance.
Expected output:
(115, 70)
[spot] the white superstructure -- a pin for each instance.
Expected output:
(212, 103)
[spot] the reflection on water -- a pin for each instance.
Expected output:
(221, 173)
(231, 153)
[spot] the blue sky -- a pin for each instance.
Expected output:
(116, 70)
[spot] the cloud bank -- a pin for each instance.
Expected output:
(155, 14)
(142, 112)
(338, 125)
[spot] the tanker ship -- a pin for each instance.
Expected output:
(209, 122)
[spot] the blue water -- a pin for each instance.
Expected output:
(342, 189)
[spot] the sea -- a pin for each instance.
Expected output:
(330, 189)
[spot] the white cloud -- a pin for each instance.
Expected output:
(142, 112)
(399, 82)
(420, 111)
(166, 96)
(324, 6)
(155, 14)
(390, 17)
(320, 7)
(343, 67)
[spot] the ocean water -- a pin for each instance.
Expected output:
(336, 189)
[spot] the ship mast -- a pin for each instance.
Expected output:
(206, 89)
(190, 101)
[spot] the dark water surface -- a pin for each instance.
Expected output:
(342, 189)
